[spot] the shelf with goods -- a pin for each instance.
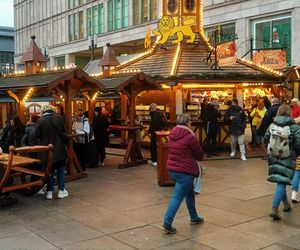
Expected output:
(192, 108)
(144, 112)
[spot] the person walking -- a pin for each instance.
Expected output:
(50, 129)
(184, 152)
(295, 182)
(236, 117)
(157, 124)
(295, 113)
(212, 127)
(257, 115)
(283, 140)
(100, 127)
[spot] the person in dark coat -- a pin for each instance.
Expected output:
(266, 102)
(100, 127)
(157, 124)
(50, 129)
(183, 153)
(15, 133)
(29, 138)
(236, 117)
(269, 117)
(281, 170)
(212, 127)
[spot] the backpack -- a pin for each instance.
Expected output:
(278, 145)
(90, 135)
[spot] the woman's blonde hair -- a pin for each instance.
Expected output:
(183, 119)
(284, 110)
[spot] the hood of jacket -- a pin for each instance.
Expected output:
(179, 132)
(284, 121)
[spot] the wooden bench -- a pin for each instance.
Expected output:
(17, 168)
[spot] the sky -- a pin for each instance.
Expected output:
(7, 13)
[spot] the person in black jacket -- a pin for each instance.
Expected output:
(269, 117)
(15, 133)
(29, 137)
(157, 124)
(100, 127)
(236, 117)
(50, 129)
(212, 128)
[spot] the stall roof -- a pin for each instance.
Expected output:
(187, 61)
(46, 79)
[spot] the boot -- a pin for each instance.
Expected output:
(295, 198)
(287, 207)
(274, 214)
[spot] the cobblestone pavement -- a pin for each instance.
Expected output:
(123, 209)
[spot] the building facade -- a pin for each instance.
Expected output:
(6, 50)
(69, 30)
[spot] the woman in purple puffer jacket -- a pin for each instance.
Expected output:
(184, 151)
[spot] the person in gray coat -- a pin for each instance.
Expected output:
(50, 129)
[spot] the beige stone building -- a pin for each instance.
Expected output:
(67, 29)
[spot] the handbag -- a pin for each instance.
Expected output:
(198, 180)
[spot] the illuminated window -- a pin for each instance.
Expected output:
(190, 5)
(172, 5)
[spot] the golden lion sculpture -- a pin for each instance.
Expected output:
(166, 28)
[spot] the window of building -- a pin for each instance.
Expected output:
(190, 4)
(89, 21)
(59, 61)
(81, 62)
(75, 3)
(144, 11)
(227, 32)
(101, 18)
(273, 32)
(95, 20)
(172, 5)
(117, 11)
(76, 30)
(71, 27)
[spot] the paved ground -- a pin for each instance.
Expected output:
(123, 209)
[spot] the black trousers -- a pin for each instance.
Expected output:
(81, 153)
(153, 149)
(211, 141)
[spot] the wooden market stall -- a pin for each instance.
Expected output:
(63, 85)
(186, 66)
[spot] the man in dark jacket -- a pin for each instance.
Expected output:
(157, 124)
(269, 117)
(100, 127)
(50, 129)
(212, 128)
(236, 117)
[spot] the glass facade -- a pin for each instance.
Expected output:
(81, 62)
(6, 62)
(60, 61)
(273, 32)
(117, 14)
(144, 11)
(95, 20)
(76, 30)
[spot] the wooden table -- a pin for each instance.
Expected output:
(14, 165)
(133, 155)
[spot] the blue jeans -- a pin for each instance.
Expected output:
(60, 173)
(296, 178)
(280, 195)
(184, 188)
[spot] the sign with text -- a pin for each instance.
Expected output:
(273, 59)
(226, 53)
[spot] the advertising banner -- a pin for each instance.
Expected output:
(273, 59)
(226, 53)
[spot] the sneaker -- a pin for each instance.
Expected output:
(199, 220)
(62, 194)
(49, 195)
(274, 214)
(232, 154)
(295, 198)
(154, 164)
(287, 207)
(169, 229)
(243, 158)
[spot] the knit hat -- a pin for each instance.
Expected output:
(47, 107)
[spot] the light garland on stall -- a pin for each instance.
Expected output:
(28, 94)
(275, 72)
(95, 96)
(252, 84)
(194, 85)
